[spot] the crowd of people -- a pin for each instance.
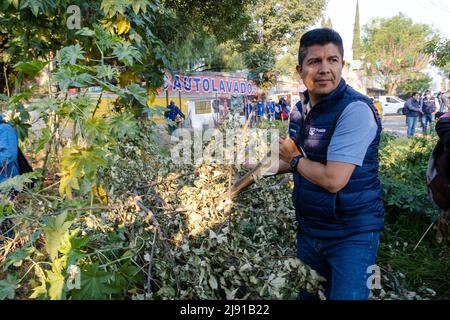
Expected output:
(270, 111)
(424, 109)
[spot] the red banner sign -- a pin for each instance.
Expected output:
(209, 84)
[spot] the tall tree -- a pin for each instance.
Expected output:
(356, 35)
(326, 23)
(276, 25)
(439, 49)
(329, 24)
(158, 28)
(394, 49)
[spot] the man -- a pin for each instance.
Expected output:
(428, 109)
(284, 109)
(259, 111)
(270, 110)
(443, 102)
(379, 106)
(334, 158)
(8, 151)
(413, 111)
(175, 114)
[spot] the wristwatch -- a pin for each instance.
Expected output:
(295, 161)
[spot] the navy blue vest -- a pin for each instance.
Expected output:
(357, 207)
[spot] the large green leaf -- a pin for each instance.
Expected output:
(55, 232)
(18, 182)
(8, 287)
(124, 125)
(16, 258)
(94, 284)
(139, 93)
(56, 281)
(112, 7)
(71, 54)
(32, 68)
(126, 53)
(71, 247)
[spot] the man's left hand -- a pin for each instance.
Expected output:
(288, 149)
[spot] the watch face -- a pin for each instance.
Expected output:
(294, 163)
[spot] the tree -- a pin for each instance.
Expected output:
(326, 23)
(439, 49)
(416, 83)
(356, 36)
(394, 49)
(329, 24)
(158, 28)
(275, 26)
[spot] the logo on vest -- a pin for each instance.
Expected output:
(316, 132)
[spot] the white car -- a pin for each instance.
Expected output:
(391, 104)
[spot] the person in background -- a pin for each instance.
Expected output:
(412, 113)
(270, 110)
(379, 106)
(334, 159)
(259, 111)
(428, 107)
(8, 151)
(443, 102)
(174, 114)
(284, 109)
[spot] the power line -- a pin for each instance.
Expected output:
(439, 6)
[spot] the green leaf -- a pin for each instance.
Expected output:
(112, 7)
(8, 287)
(139, 93)
(56, 281)
(71, 54)
(15, 258)
(34, 6)
(106, 72)
(43, 139)
(126, 53)
(85, 32)
(124, 125)
(21, 127)
(55, 231)
(71, 247)
(139, 5)
(94, 284)
(18, 182)
(31, 68)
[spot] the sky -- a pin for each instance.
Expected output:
(342, 14)
(433, 12)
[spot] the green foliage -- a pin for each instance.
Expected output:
(275, 25)
(418, 82)
(439, 49)
(94, 284)
(356, 46)
(8, 287)
(31, 68)
(394, 49)
(403, 164)
(55, 231)
(19, 182)
(260, 60)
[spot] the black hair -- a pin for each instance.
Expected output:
(414, 93)
(320, 36)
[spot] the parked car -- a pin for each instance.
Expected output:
(391, 104)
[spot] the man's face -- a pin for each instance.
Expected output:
(321, 69)
(416, 97)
